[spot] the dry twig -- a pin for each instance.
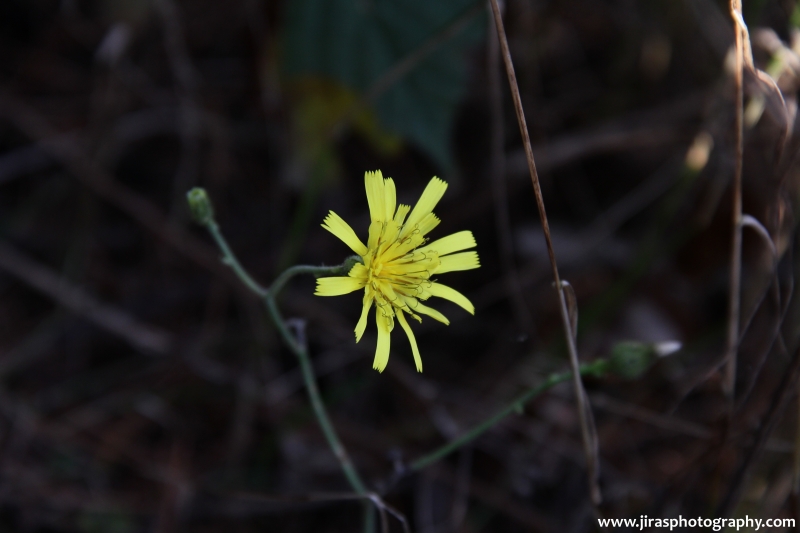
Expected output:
(143, 337)
(735, 287)
(91, 174)
(584, 411)
(780, 399)
(497, 167)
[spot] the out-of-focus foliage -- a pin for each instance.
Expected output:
(357, 43)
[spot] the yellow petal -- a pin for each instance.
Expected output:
(390, 198)
(385, 287)
(427, 223)
(415, 289)
(359, 271)
(431, 312)
(456, 242)
(402, 211)
(443, 291)
(373, 182)
(388, 236)
(417, 268)
(419, 307)
(384, 340)
(375, 232)
(342, 229)
(462, 261)
(411, 339)
(336, 286)
(362, 321)
(430, 197)
(401, 247)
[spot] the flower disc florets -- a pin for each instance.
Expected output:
(398, 264)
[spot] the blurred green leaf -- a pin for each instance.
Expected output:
(355, 43)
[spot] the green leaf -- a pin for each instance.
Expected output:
(357, 42)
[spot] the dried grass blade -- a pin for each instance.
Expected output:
(589, 448)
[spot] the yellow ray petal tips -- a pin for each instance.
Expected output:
(399, 263)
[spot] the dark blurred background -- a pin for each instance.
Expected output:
(143, 389)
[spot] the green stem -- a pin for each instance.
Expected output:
(299, 349)
(289, 273)
(316, 399)
(229, 258)
(596, 368)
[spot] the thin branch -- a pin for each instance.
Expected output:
(593, 369)
(755, 371)
(497, 168)
(584, 411)
(229, 258)
(318, 271)
(203, 211)
(773, 415)
(734, 290)
(316, 398)
(141, 336)
(68, 153)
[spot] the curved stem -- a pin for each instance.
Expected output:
(229, 258)
(314, 396)
(595, 368)
(289, 273)
(297, 345)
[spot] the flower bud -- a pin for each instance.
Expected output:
(631, 359)
(200, 206)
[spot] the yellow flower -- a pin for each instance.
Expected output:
(398, 266)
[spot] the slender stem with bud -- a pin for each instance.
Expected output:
(203, 213)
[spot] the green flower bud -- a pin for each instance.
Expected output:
(200, 206)
(631, 359)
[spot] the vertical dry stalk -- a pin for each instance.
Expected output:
(589, 437)
(734, 292)
(497, 167)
